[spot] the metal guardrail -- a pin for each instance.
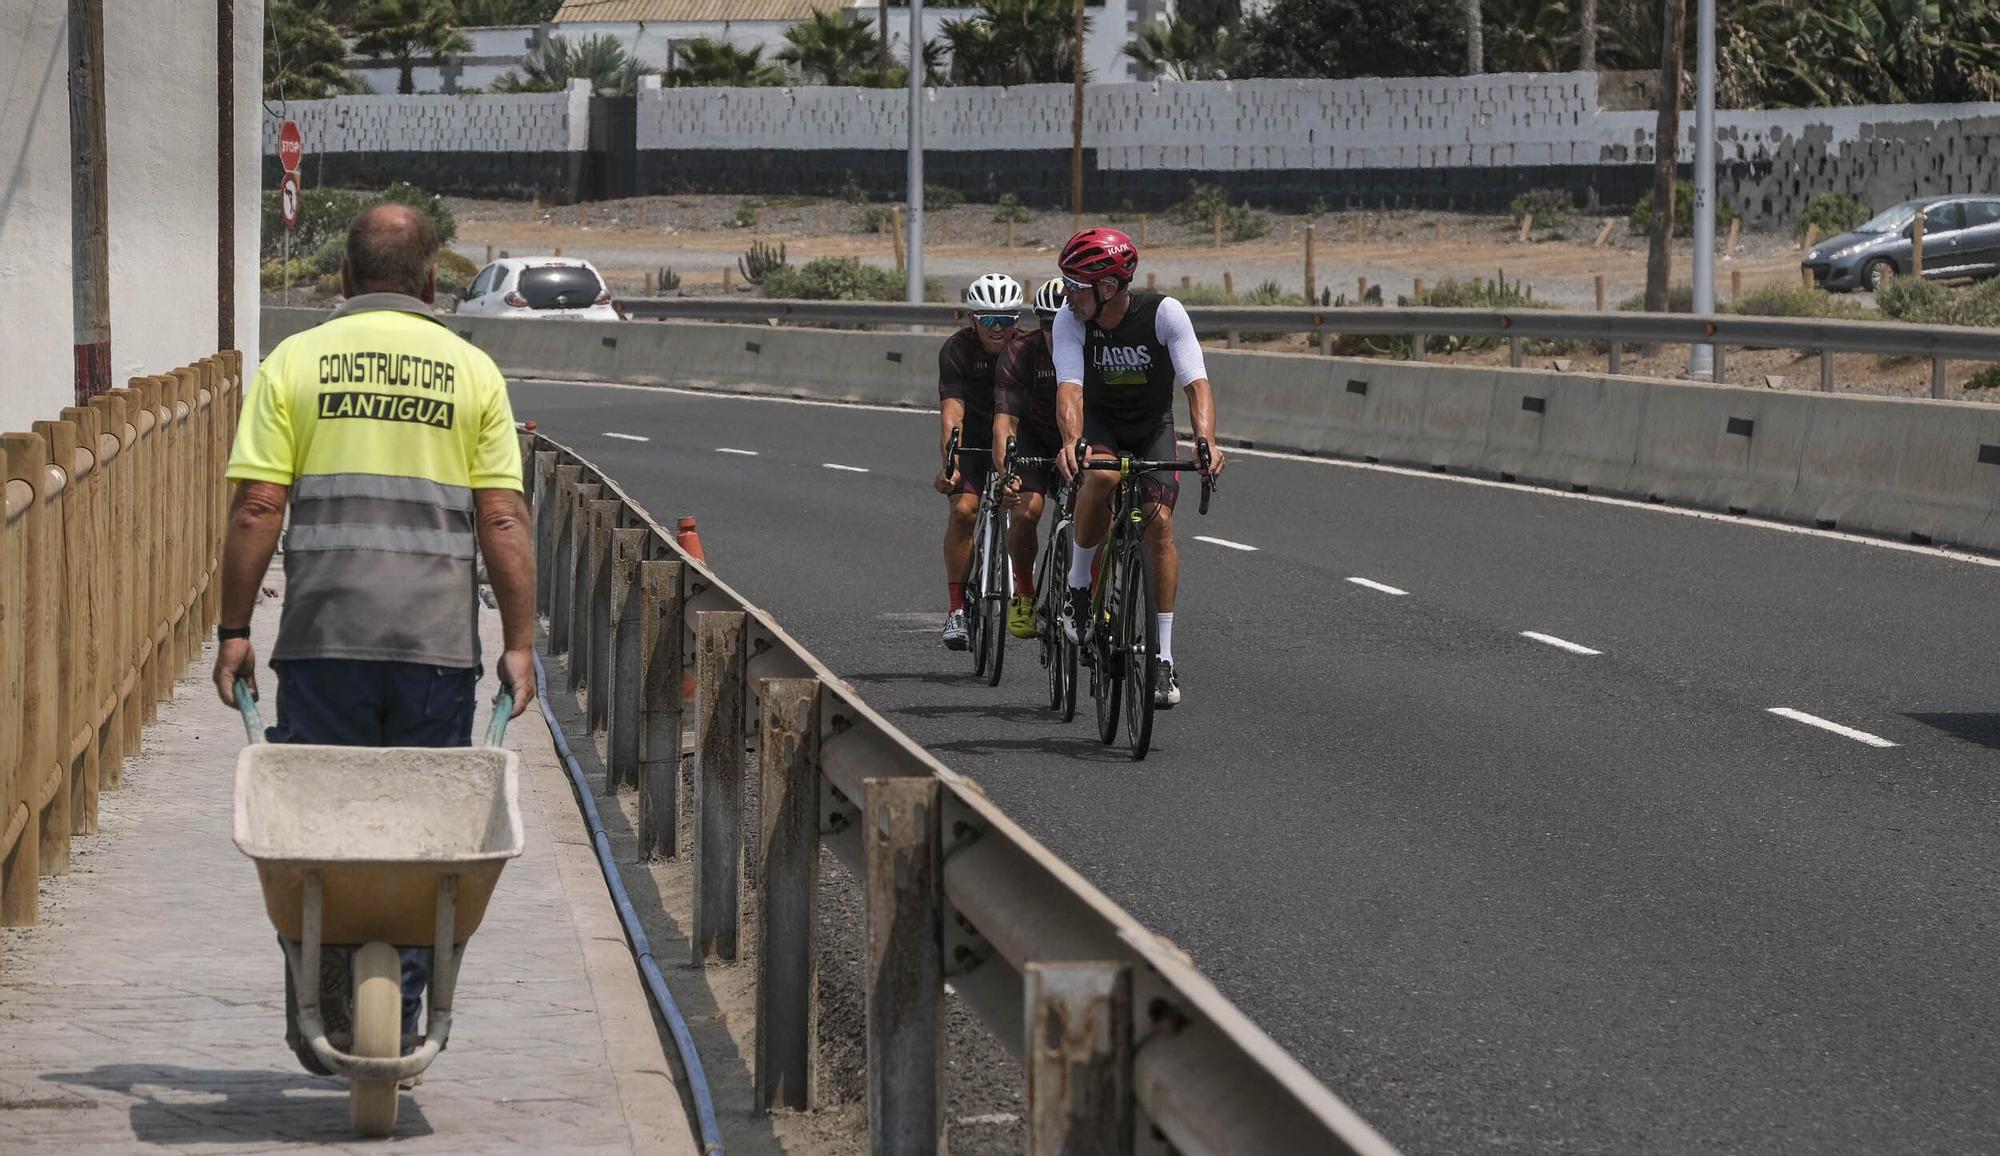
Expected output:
(1109, 1020)
(1940, 344)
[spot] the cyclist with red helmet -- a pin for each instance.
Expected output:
(965, 403)
(1119, 356)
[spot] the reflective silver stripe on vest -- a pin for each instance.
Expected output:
(380, 568)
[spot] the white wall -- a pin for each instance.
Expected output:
(160, 121)
(35, 333)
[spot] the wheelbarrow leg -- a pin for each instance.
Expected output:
(444, 961)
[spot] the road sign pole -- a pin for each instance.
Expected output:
(915, 260)
(1701, 358)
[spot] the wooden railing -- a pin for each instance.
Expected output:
(112, 525)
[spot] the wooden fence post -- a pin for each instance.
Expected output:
(721, 638)
(561, 511)
(625, 692)
(20, 851)
(597, 676)
(788, 860)
(1079, 1058)
(40, 778)
(660, 708)
(118, 576)
(576, 565)
(71, 443)
(904, 886)
(542, 514)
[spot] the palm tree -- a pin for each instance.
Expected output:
(599, 59)
(703, 62)
(1013, 42)
(407, 31)
(1475, 38)
(1176, 50)
(304, 58)
(1587, 51)
(832, 49)
(501, 13)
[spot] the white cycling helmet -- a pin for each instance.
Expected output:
(1049, 298)
(993, 293)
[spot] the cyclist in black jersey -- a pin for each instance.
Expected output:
(1024, 408)
(1118, 357)
(965, 403)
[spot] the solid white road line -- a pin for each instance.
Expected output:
(1224, 542)
(1378, 586)
(1813, 720)
(849, 469)
(626, 437)
(1558, 643)
(727, 450)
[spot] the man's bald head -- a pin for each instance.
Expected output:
(391, 249)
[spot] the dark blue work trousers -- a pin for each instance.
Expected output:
(342, 702)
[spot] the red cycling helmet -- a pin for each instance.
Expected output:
(1099, 254)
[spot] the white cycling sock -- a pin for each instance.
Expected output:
(1080, 558)
(1164, 625)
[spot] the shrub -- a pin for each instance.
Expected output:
(1642, 212)
(272, 274)
(668, 279)
(942, 197)
(327, 258)
(455, 271)
(1834, 213)
(1798, 301)
(834, 279)
(1680, 299)
(1473, 293)
(853, 193)
(324, 215)
(1245, 223)
(1203, 203)
(1552, 208)
(1922, 302)
(878, 218)
(1987, 378)
(742, 216)
(1010, 208)
(761, 261)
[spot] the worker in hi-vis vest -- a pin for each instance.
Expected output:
(392, 442)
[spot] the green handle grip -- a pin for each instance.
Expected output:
(253, 727)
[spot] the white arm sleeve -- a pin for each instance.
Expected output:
(1067, 345)
(1173, 328)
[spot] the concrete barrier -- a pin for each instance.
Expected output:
(1889, 466)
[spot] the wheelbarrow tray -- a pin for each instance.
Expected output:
(379, 825)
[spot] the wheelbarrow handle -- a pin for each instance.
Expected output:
(253, 727)
(503, 708)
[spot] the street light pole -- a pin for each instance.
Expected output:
(915, 260)
(1701, 358)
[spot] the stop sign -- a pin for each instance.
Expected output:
(291, 146)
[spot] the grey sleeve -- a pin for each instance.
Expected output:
(1067, 346)
(1173, 328)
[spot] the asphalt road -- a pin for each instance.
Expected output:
(1500, 895)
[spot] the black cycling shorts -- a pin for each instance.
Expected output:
(1151, 440)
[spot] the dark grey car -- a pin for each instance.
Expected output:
(1961, 239)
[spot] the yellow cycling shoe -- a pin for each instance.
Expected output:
(1021, 619)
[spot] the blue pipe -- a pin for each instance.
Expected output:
(642, 950)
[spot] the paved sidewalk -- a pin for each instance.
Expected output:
(145, 1012)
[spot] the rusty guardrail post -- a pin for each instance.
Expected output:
(544, 471)
(1079, 1058)
(904, 885)
(579, 581)
(561, 533)
(788, 860)
(661, 685)
(597, 675)
(720, 646)
(624, 691)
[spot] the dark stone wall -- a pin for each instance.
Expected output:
(1040, 178)
(557, 176)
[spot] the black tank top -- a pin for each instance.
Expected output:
(1128, 374)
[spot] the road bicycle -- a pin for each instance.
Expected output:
(1051, 586)
(1121, 647)
(987, 583)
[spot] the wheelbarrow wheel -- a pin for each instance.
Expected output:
(378, 1032)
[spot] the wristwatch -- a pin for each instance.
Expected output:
(225, 633)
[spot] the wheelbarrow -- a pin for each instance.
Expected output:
(376, 848)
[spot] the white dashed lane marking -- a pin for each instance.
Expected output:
(1813, 720)
(626, 437)
(849, 469)
(1386, 589)
(727, 450)
(1224, 542)
(1558, 643)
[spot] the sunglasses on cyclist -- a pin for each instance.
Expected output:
(1073, 285)
(996, 320)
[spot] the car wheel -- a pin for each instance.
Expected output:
(1873, 273)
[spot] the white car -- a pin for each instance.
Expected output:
(539, 287)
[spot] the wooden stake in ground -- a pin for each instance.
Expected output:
(896, 233)
(1142, 230)
(1312, 282)
(1604, 234)
(1735, 285)
(1361, 289)
(489, 252)
(1186, 281)
(1152, 282)
(1599, 281)
(1811, 237)
(1735, 234)
(582, 214)
(649, 283)
(728, 282)
(1010, 234)
(558, 250)
(1666, 152)
(1218, 230)
(1417, 287)
(1527, 226)
(1228, 284)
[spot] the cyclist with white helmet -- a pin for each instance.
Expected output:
(966, 366)
(1024, 401)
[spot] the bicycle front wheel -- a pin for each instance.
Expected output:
(1052, 587)
(975, 594)
(1139, 641)
(998, 585)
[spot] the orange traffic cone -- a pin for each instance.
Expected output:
(689, 539)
